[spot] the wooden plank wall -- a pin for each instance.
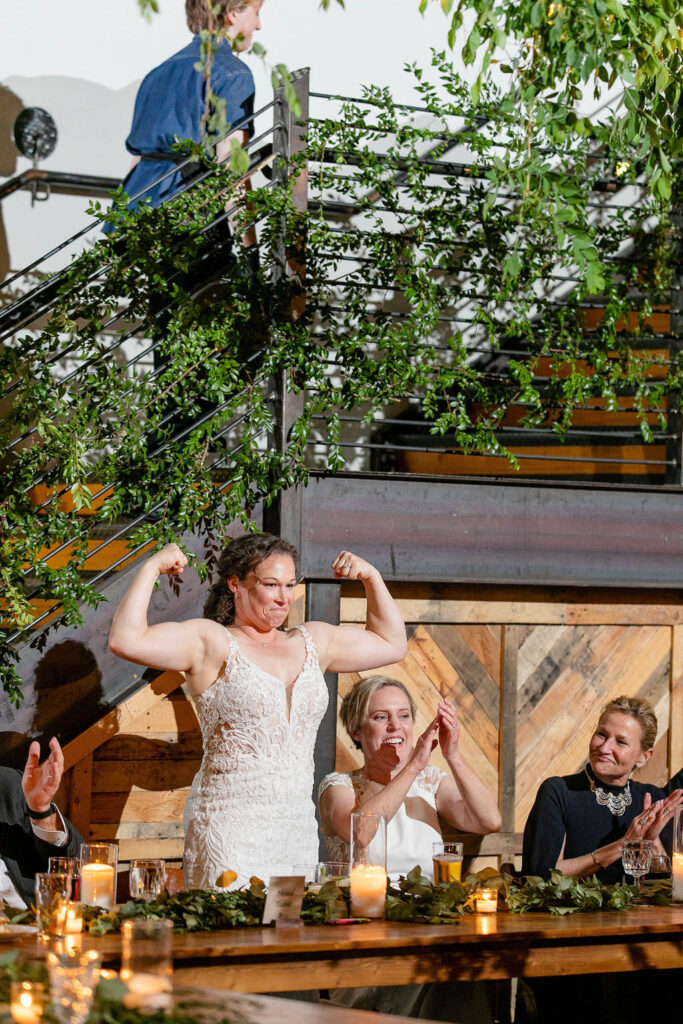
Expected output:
(528, 668)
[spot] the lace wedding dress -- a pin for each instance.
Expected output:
(250, 807)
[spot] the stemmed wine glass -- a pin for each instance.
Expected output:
(636, 856)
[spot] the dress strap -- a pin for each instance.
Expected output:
(311, 649)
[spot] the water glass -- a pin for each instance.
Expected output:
(447, 862)
(146, 964)
(332, 869)
(73, 980)
(53, 892)
(636, 856)
(146, 879)
(69, 866)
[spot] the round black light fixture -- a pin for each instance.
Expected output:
(35, 133)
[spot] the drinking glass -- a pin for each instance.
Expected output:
(447, 862)
(69, 866)
(147, 879)
(73, 980)
(146, 963)
(53, 892)
(636, 856)
(328, 869)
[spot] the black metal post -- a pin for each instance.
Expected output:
(284, 515)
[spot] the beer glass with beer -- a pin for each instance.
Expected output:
(447, 861)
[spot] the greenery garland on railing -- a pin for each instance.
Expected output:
(489, 248)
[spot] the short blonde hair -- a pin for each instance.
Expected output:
(354, 706)
(641, 710)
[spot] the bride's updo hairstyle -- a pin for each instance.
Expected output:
(242, 557)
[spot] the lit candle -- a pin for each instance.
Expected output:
(74, 919)
(27, 1001)
(97, 885)
(147, 991)
(486, 901)
(368, 890)
(677, 876)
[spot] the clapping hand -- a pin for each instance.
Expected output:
(654, 816)
(40, 782)
(449, 728)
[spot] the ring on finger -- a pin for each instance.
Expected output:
(641, 821)
(345, 565)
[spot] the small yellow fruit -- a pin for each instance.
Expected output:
(226, 878)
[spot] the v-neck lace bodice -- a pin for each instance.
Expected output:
(250, 808)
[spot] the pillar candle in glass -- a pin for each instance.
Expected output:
(146, 964)
(368, 864)
(677, 856)
(99, 864)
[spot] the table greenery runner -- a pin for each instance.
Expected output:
(415, 898)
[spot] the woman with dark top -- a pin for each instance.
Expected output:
(171, 100)
(577, 826)
(579, 822)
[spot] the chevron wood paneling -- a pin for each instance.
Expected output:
(565, 675)
(461, 662)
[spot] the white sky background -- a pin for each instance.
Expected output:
(108, 42)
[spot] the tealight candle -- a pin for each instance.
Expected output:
(486, 901)
(368, 890)
(27, 1000)
(74, 919)
(677, 876)
(147, 991)
(97, 885)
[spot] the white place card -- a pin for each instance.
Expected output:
(284, 898)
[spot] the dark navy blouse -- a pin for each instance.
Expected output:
(169, 106)
(567, 806)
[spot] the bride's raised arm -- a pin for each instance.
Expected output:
(382, 642)
(174, 646)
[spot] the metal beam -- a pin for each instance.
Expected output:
(433, 529)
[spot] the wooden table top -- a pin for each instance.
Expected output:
(499, 945)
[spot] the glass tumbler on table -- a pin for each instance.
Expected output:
(447, 862)
(146, 879)
(636, 856)
(53, 892)
(73, 980)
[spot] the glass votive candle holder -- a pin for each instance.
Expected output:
(52, 892)
(27, 1001)
(73, 922)
(146, 964)
(486, 900)
(99, 865)
(368, 864)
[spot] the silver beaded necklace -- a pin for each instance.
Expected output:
(616, 803)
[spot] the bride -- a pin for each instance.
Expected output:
(260, 695)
